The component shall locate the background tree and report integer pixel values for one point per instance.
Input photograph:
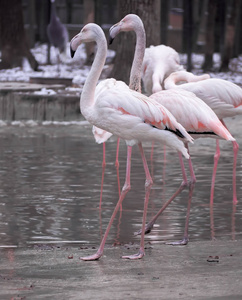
(209, 39)
(13, 41)
(188, 31)
(124, 43)
(229, 34)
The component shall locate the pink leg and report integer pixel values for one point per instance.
(236, 149)
(151, 159)
(184, 183)
(103, 171)
(192, 182)
(185, 239)
(125, 190)
(233, 222)
(148, 184)
(117, 168)
(212, 222)
(117, 153)
(216, 158)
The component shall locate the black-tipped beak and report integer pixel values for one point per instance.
(110, 40)
(72, 52)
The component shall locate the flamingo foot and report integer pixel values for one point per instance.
(183, 242)
(138, 255)
(235, 201)
(95, 256)
(148, 228)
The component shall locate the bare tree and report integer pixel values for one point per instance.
(89, 17)
(13, 41)
(210, 25)
(149, 12)
(229, 38)
(188, 31)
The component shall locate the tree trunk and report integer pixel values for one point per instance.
(13, 39)
(238, 32)
(187, 31)
(229, 36)
(89, 17)
(149, 12)
(210, 25)
(164, 20)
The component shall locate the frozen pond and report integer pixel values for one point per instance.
(50, 188)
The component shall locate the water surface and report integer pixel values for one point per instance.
(50, 179)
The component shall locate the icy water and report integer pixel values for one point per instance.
(50, 179)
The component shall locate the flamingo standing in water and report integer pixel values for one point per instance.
(224, 98)
(158, 63)
(127, 114)
(194, 115)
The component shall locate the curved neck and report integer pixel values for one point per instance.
(170, 82)
(53, 11)
(174, 78)
(135, 73)
(88, 92)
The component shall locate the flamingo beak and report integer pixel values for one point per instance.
(113, 31)
(72, 52)
(75, 42)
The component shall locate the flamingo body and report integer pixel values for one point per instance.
(133, 116)
(194, 115)
(159, 62)
(224, 97)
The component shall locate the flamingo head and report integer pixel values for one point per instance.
(89, 33)
(128, 23)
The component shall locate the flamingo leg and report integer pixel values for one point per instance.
(216, 159)
(192, 182)
(184, 183)
(103, 171)
(124, 191)
(236, 149)
(117, 154)
(117, 167)
(148, 185)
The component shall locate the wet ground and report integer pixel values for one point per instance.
(49, 216)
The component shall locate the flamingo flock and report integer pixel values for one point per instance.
(173, 117)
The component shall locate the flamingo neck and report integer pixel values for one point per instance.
(136, 69)
(53, 15)
(88, 93)
(174, 78)
(171, 81)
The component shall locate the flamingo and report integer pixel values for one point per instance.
(195, 116)
(159, 62)
(224, 98)
(57, 32)
(114, 107)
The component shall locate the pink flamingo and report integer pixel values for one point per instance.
(194, 115)
(127, 114)
(224, 98)
(158, 63)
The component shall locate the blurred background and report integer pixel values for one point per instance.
(199, 26)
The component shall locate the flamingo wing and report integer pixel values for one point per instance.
(119, 102)
(194, 114)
